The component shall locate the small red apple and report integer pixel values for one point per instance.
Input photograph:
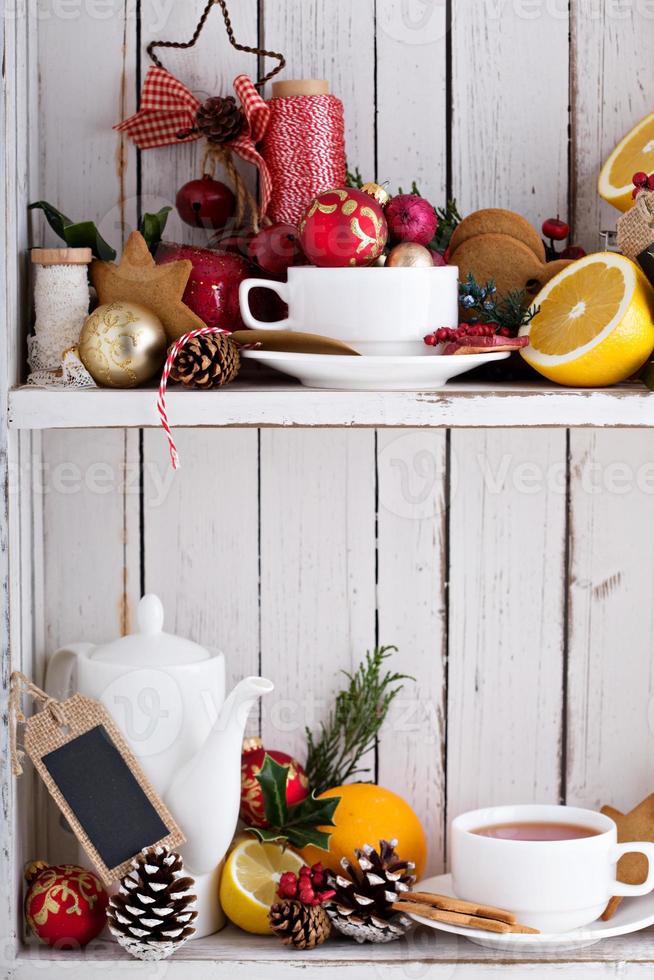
(276, 248)
(205, 203)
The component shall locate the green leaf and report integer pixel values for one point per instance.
(56, 219)
(152, 226)
(301, 837)
(268, 836)
(84, 234)
(313, 812)
(272, 778)
(76, 234)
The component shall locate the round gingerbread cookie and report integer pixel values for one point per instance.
(497, 221)
(508, 262)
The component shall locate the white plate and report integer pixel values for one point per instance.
(632, 915)
(385, 372)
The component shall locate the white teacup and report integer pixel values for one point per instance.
(551, 885)
(375, 310)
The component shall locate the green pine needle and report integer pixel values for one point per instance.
(354, 723)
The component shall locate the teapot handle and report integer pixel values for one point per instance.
(61, 666)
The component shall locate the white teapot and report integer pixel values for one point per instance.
(167, 696)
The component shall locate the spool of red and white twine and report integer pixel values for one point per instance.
(161, 398)
(303, 146)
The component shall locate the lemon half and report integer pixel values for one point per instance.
(248, 886)
(595, 326)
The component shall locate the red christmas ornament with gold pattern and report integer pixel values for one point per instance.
(65, 906)
(343, 227)
(252, 807)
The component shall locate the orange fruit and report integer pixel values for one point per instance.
(366, 815)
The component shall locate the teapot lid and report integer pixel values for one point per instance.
(150, 646)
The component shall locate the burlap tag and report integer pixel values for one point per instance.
(636, 227)
(59, 724)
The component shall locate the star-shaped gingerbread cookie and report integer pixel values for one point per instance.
(138, 279)
(636, 825)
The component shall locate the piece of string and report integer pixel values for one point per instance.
(19, 685)
(245, 199)
(161, 397)
(232, 40)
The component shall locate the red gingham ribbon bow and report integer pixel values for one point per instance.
(167, 108)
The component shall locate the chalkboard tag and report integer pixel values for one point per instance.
(94, 778)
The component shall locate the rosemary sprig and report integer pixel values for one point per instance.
(354, 722)
(481, 305)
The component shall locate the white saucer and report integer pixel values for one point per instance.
(369, 373)
(632, 915)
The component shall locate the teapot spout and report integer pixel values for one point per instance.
(205, 795)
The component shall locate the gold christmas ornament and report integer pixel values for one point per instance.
(409, 255)
(122, 345)
(379, 193)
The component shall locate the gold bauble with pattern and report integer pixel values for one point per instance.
(409, 255)
(122, 345)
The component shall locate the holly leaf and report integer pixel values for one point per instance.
(272, 779)
(268, 835)
(300, 824)
(152, 227)
(301, 837)
(76, 234)
(313, 812)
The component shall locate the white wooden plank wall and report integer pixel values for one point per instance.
(295, 551)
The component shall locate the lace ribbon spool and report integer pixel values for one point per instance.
(304, 146)
(61, 304)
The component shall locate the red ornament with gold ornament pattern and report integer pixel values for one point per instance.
(343, 227)
(65, 906)
(252, 805)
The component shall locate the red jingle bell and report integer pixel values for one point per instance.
(343, 227)
(205, 203)
(65, 906)
(252, 806)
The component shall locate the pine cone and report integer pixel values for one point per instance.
(361, 907)
(208, 361)
(152, 912)
(299, 925)
(220, 119)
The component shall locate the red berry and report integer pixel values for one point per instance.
(556, 229)
(639, 179)
(650, 182)
(635, 192)
(287, 887)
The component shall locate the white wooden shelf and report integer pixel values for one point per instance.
(281, 404)
(234, 955)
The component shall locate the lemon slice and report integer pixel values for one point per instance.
(595, 325)
(248, 886)
(632, 154)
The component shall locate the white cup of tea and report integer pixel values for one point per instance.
(375, 310)
(553, 866)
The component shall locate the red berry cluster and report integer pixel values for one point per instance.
(642, 182)
(446, 335)
(308, 886)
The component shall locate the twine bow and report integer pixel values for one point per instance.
(167, 115)
(19, 685)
